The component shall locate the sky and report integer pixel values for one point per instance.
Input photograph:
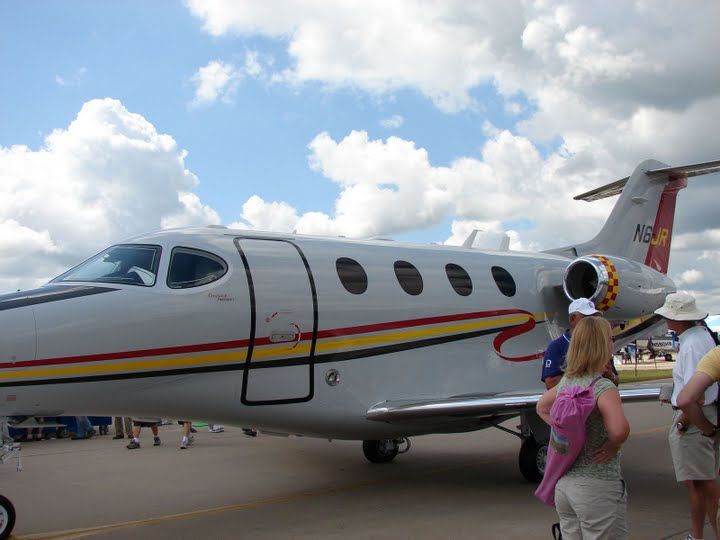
(413, 120)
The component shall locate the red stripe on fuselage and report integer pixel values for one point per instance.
(224, 345)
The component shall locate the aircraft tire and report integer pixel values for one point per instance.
(7, 517)
(382, 451)
(532, 460)
(668, 357)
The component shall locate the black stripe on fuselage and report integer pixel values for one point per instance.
(639, 328)
(324, 358)
(49, 293)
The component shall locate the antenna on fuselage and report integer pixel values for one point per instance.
(470, 240)
(505, 243)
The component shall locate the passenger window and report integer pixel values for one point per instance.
(459, 279)
(503, 280)
(192, 268)
(409, 277)
(351, 274)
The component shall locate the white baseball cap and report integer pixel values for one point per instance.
(681, 307)
(582, 305)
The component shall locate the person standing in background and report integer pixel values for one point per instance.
(695, 456)
(119, 433)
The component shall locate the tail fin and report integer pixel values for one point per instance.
(640, 225)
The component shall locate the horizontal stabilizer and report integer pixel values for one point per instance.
(615, 188)
(482, 406)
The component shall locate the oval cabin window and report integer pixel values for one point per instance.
(352, 275)
(459, 279)
(193, 268)
(503, 280)
(409, 277)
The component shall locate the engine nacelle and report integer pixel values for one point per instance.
(620, 288)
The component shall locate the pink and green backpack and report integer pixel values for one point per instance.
(568, 415)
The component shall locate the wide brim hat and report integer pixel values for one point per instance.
(681, 307)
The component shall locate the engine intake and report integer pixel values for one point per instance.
(621, 288)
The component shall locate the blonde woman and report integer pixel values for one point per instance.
(591, 499)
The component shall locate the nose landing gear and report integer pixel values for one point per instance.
(7, 517)
(7, 510)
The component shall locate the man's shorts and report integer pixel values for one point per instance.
(695, 457)
(146, 422)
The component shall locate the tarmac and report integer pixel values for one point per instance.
(228, 485)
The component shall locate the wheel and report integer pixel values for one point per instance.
(532, 459)
(382, 451)
(7, 517)
(668, 357)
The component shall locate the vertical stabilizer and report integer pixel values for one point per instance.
(640, 225)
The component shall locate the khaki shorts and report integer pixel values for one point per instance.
(694, 456)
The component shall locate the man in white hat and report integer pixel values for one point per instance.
(695, 456)
(554, 360)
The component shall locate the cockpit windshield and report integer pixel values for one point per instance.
(131, 264)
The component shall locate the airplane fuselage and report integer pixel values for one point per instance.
(300, 335)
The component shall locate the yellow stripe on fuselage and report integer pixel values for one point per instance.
(265, 352)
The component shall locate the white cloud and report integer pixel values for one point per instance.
(253, 65)
(390, 186)
(392, 122)
(273, 216)
(690, 277)
(607, 53)
(191, 213)
(698, 240)
(75, 79)
(216, 80)
(109, 175)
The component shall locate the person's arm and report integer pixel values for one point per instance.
(616, 424)
(544, 405)
(551, 382)
(691, 396)
(611, 373)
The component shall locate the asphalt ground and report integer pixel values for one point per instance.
(228, 485)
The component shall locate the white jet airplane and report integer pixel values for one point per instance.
(327, 337)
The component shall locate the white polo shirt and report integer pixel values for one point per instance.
(695, 343)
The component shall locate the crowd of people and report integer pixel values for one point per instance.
(81, 427)
(585, 483)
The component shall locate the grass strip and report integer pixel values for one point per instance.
(630, 376)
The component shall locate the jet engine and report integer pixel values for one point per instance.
(621, 288)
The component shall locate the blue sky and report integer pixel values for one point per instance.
(145, 53)
(412, 120)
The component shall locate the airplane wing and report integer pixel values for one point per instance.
(481, 406)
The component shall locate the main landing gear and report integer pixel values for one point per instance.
(532, 459)
(385, 450)
(535, 435)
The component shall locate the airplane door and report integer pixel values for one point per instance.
(283, 324)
